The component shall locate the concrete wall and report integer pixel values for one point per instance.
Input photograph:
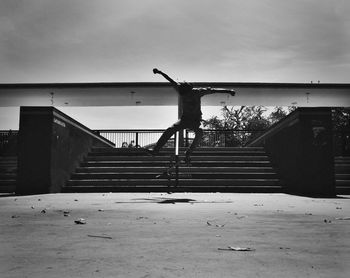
(51, 145)
(301, 148)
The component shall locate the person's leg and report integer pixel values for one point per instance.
(198, 136)
(166, 136)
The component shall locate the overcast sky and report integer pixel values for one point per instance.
(196, 40)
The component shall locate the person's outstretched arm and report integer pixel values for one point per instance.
(174, 83)
(209, 91)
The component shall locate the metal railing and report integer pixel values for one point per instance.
(124, 138)
(211, 138)
(147, 138)
(224, 138)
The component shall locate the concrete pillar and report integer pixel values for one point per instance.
(301, 148)
(51, 145)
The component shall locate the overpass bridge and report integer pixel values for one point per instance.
(162, 94)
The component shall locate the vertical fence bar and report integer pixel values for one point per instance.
(177, 139)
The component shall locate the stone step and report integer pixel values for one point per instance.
(181, 149)
(158, 169)
(166, 163)
(165, 182)
(342, 169)
(166, 158)
(195, 175)
(8, 158)
(342, 158)
(342, 176)
(342, 183)
(343, 190)
(8, 176)
(127, 152)
(180, 188)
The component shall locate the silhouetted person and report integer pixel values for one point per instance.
(191, 114)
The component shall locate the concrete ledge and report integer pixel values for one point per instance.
(301, 148)
(51, 146)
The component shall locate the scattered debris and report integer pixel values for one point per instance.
(108, 237)
(343, 218)
(80, 221)
(173, 201)
(232, 248)
(216, 225)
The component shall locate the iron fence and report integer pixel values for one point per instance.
(126, 138)
(210, 138)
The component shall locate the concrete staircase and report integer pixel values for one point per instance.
(211, 169)
(219, 169)
(8, 174)
(342, 174)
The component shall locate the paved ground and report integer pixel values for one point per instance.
(133, 235)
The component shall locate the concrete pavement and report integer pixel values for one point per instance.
(139, 235)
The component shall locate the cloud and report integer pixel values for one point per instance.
(122, 40)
